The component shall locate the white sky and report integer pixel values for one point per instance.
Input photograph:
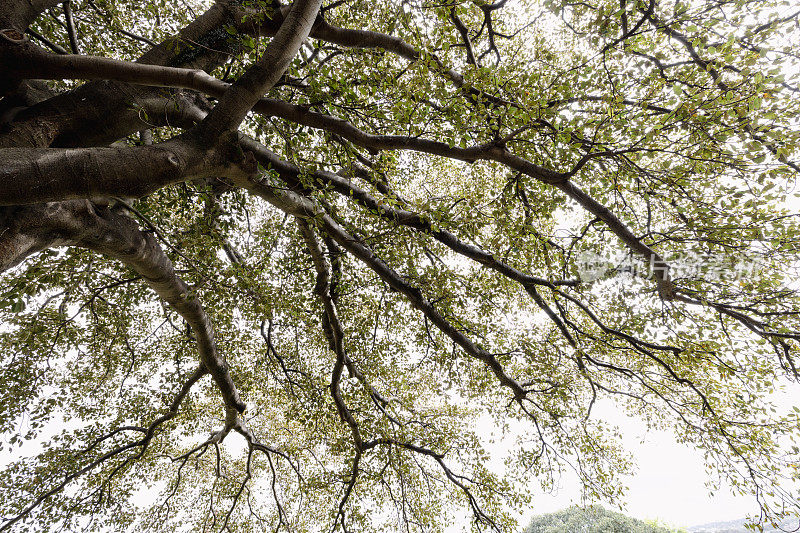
(670, 483)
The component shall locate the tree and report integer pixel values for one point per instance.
(273, 262)
(592, 519)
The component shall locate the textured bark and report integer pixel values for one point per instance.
(18, 15)
(35, 175)
(22, 233)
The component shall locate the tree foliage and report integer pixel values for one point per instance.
(271, 267)
(592, 519)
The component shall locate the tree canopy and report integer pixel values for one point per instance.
(592, 519)
(272, 267)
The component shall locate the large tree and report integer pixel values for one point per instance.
(591, 519)
(270, 267)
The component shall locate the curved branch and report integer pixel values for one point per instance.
(115, 235)
(23, 59)
(331, 325)
(71, 29)
(259, 78)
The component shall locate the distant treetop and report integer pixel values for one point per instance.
(592, 519)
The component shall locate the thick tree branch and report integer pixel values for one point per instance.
(20, 14)
(99, 113)
(108, 232)
(22, 234)
(119, 237)
(24, 60)
(35, 175)
(45, 174)
(464, 32)
(71, 28)
(368, 39)
(331, 124)
(259, 78)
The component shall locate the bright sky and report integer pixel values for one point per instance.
(670, 483)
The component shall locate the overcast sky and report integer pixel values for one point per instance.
(670, 483)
